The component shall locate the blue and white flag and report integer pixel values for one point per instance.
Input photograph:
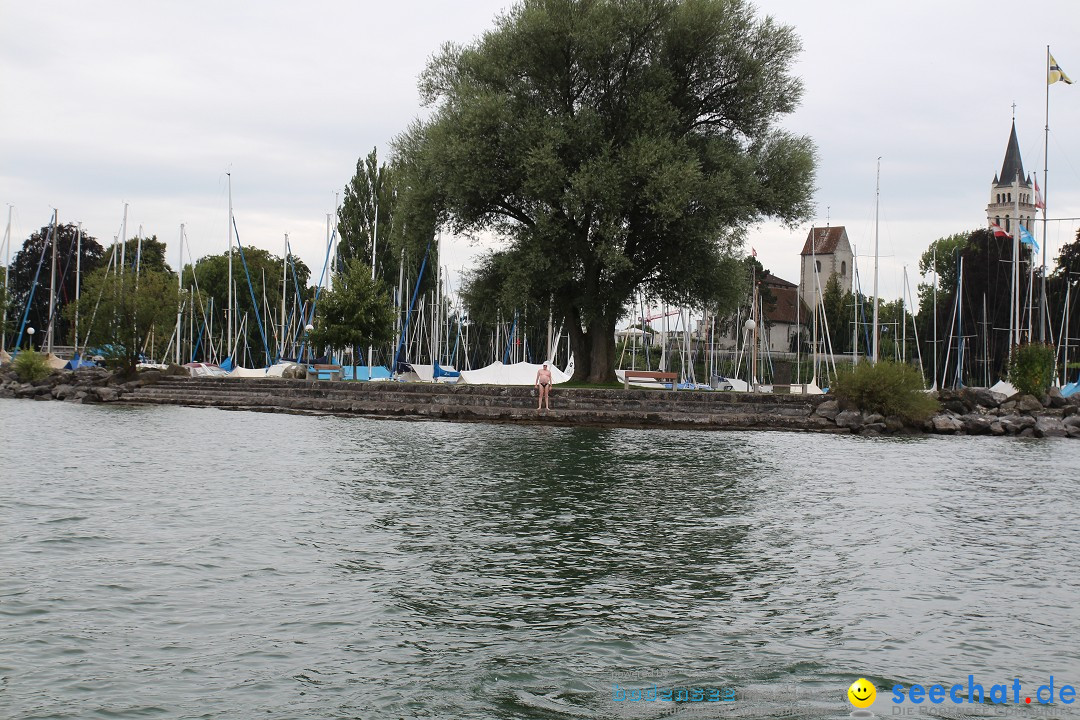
(1026, 238)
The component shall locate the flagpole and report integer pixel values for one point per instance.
(1046, 155)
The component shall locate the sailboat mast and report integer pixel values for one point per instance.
(180, 294)
(7, 271)
(284, 287)
(935, 318)
(877, 207)
(1046, 155)
(52, 288)
(1015, 339)
(78, 280)
(374, 239)
(229, 310)
(855, 306)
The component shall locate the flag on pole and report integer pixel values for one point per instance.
(999, 232)
(753, 251)
(1056, 73)
(1027, 239)
(1039, 203)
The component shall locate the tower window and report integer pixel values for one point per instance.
(843, 268)
(818, 263)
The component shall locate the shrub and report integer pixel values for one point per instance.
(1032, 368)
(887, 388)
(31, 366)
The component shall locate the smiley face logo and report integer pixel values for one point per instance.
(862, 693)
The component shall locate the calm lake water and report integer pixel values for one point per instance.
(184, 563)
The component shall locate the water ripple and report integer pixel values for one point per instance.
(173, 562)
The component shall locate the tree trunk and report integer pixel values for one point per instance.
(594, 349)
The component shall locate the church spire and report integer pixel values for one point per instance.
(1013, 164)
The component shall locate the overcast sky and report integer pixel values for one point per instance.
(152, 103)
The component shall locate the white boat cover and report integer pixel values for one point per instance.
(55, 362)
(274, 371)
(521, 373)
(199, 369)
(1004, 387)
(426, 373)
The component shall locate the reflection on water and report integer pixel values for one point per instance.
(176, 562)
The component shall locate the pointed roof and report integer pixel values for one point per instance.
(824, 241)
(1012, 164)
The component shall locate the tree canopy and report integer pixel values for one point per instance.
(125, 319)
(355, 313)
(615, 145)
(24, 267)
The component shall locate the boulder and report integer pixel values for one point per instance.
(106, 394)
(956, 405)
(946, 424)
(1071, 421)
(828, 409)
(1049, 427)
(873, 419)
(894, 424)
(976, 424)
(1014, 424)
(149, 376)
(983, 397)
(872, 429)
(996, 428)
(849, 419)
(1073, 432)
(1028, 404)
(61, 392)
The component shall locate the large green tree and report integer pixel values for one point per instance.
(37, 252)
(616, 145)
(355, 313)
(210, 281)
(125, 320)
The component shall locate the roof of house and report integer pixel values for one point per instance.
(825, 240)
(787, 300)
(775, 282)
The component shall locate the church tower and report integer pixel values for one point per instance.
(1012, 184)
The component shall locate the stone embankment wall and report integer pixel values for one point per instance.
(967, 412)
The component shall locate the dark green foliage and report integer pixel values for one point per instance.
(127, 317)
(211, 275)
(616, 146)
(24, 264)
(1032, 368)
(356, 313)
(31, 365)
(887, 388)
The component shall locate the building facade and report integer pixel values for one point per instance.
(826, 253)
(1011, 194)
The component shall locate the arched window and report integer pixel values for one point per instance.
(1009, 197)
(1007, 224)
(843, 268)
(818, 263)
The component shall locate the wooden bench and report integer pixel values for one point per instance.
(673, 377)
(324, 372)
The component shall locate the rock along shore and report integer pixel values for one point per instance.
(966, 412)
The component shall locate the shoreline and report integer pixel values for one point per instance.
(971, 411)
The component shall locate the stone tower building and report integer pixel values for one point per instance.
(1009, 188)
(826, 252)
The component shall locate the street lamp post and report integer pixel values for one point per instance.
(30, 338)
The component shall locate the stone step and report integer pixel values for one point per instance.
(666, 403)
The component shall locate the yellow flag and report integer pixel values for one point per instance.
(1056, 73)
